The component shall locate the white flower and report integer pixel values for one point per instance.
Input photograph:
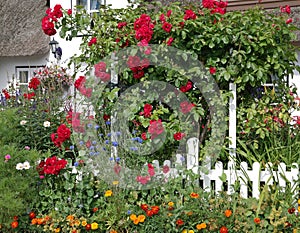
(19, 166)
(26, 165)
(46, 124)
(23, 122)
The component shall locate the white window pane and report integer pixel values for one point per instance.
(23, 76)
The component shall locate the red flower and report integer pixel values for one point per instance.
(156, 128)
(186, 107)
(138, 74)
(29, 95)
(291, 210)
(212, 70)
(16, 218)
(105, 77)
(187, 87)
(167, 26)
(208, 4)
(69, 12)
(92, 41)
(149, 213)
(178, 136)
(144, 136)
(166, 169)
(189, 14)
(285, 9)
(34, 83)
(169, 12)
(88, 227)
(179, 222)
(6, 94)
(95, 209)
(257, 220)
(151, 170)
(162, 18)
(106, 117)
(100, 67)
(170, 41)
(288, 21)
(223, 230)
(144, 207)
(14, 224)
(121, 25)
(32, 215)
(147, 110)
(63, 132)
(155, 209)
(79, 82)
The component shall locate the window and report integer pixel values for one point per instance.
(90, 5)
(24, 74)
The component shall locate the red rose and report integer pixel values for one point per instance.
(69, 12)
(133, 61)
(178, 136)
(92, 41)
(167, 26)
(79, 82)
(156, 128)
(144, 136)
(105, 77)
(212, 70)
(14, 224)
(100, 67)
(63, 132)
(143, 179)
(144, 63)
(147, 110)
(162, 18)
(32, 215)
(187, 87)
(169, 12)
(121, 25)
(144, 207)
(34, 83)
(189, 14)
(151, 170)
(170, 41)
(166, 169)
(285, 9)
(186, 107)
(88, 227)
(288, 21)
(138, 74)
(208, 4)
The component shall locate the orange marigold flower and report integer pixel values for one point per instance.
(113, 231)
(170, 203)
(189, 213)
(201, 226)
(228, 213)
(194, 195)
(141, 218)
(70, 217)
(133, 217)
(57, 230)
(34, 221)
(257, 220)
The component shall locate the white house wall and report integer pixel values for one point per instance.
(8, 66)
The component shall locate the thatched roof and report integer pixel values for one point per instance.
(20, 23)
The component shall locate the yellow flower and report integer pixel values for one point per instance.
(108, 193)
(77, 222)
(115, 182)
(184, 231)
(298, 201)
(294, 230)
(170, 214)
(94, 226)
(83, 223)
(136, 221)
(133, 217)
(141, 218)
(171, 204)
(191, 231)
(201, 226)
(57, 230)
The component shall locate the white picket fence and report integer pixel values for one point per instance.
(251, 181)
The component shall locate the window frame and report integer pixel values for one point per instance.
(31, 72)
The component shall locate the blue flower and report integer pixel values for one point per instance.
(89, 125)
(107, 122)
(111, 159)
(118, 133)
(109, 135)
(128, 211)
(106, 141)
(92, 147)
(92, 153)
(100, 134)
(72, 147)
(97, 153)
(118, 159)
(133, 148)
(81, 142)
(115, 143)
(76, 164)
(139, 140)
(97, 127)
(94, 142)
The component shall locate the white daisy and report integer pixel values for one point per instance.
(19, 166)
(26, 165)
(46, 124)
(23, 122)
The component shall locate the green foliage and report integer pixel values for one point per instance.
(17, 187)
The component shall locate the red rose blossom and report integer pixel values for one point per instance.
(187, 87)
(178, 136)
(186, 107)
(170, 41)
(92, 41)
(212, 70)
(167, 27)
(189, 14)
(34, 83)
(156, 128)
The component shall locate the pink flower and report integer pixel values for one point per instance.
(143, 179)
(7, 157)
(186, 107)
(92, 41)
(151, 170)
